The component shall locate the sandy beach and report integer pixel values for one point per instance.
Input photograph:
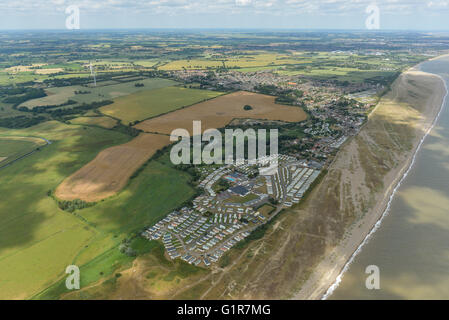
(400, 108)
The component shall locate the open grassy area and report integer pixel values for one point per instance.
(266, 209)
(12, 148)
(103, 91)
(104, 122)
(150, 103)
(146, 200)
(8, 78)
(256, 59)
(36, 237)
(239, 199)
(111, 169)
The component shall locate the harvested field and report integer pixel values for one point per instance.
(109, 172)
(151, 103)
(49, 71)
(218, 112)
(104, 122)
(3, 158)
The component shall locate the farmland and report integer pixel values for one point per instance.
(12, 148)
(151, 103)
(41, 238)
(104, 122)
(82, 198)
(260, 59)
(36, 237)
(114, 89)
(218, 112)
(109, 172)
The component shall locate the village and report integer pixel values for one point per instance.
(336, 112)
(237, 199)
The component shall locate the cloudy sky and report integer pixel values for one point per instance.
(286, 14)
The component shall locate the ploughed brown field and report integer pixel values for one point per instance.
(218, 112)
(109, 172)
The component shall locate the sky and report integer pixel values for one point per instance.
(257, 14)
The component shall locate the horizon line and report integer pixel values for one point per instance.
(229, 28)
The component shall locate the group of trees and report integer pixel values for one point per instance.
(30, 93)
(56, 111)
(20, 122)
(222, 185)
(71, 206)
(82, 92)
(283, 96)
(191, 170)
(44, 109)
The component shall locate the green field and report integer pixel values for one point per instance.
(12, 148)
(151, 103)
(38, 240)
(7, 79)
(254, 60)
(239, 199)
(104, 122)
(61, 95)
(162, 275)
(147, 199)
(266, 209)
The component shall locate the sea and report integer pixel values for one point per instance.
(410, 248)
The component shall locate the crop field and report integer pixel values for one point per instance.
(151, 103)
(143, 202)
(36, 237)
(54, 96)
(240, 61)
(61, 95)
(8, 78)
(146, 63)
(104, 122)
(336, 73)
(84, 198)
(12, 148)
(218, 112)
(109, 172)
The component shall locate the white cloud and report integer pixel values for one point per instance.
(278, 7)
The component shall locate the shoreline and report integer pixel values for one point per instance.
(329, 272)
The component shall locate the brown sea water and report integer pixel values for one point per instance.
(411, 247)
